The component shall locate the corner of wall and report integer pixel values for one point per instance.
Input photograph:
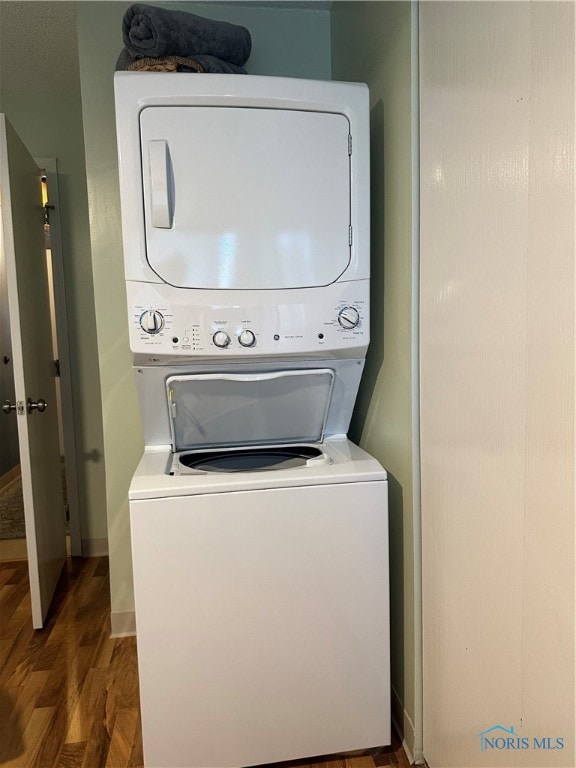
(372, 42)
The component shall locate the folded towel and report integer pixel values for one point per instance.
(164, 64)
(216, 65)
(200, 63)
(151, 31)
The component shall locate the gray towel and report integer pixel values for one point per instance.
(199, 63)
(151, 31)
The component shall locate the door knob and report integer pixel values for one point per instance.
(7, 406)
(39, 406)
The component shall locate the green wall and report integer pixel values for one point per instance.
(289, 42)
(371, 43)
(51, 126)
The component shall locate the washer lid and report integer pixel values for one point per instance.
(226, 409)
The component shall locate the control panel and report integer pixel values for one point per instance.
(168, 323)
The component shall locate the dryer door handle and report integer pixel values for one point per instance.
(159, 184)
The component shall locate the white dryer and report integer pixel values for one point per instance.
(259, 532)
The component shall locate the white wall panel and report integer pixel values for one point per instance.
(497, 356)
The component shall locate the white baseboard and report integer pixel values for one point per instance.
(123, 624)
(94, 547)
(403, 725)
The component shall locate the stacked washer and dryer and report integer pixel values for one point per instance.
(259, 532)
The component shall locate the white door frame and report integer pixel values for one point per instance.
(50, 168)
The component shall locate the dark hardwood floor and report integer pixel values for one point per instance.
(69, 693)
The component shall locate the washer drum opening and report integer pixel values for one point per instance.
(249, 459)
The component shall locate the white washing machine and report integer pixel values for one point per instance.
(261, 583)
(259, 532)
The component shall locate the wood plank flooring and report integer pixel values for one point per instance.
(69, 693)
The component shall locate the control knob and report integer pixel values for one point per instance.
(221, 339)
(348, 317)
(247, 338)
(152, 321)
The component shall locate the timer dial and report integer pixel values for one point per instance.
(247, 338)
(348, 317)
(221, 339)
(152, 321)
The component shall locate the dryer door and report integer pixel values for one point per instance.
(239, 198)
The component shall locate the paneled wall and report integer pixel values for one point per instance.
(497, 376)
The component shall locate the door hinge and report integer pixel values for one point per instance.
(47, 209)
(57, 368)
(350, 235)
(349, 143)
(67, 513)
